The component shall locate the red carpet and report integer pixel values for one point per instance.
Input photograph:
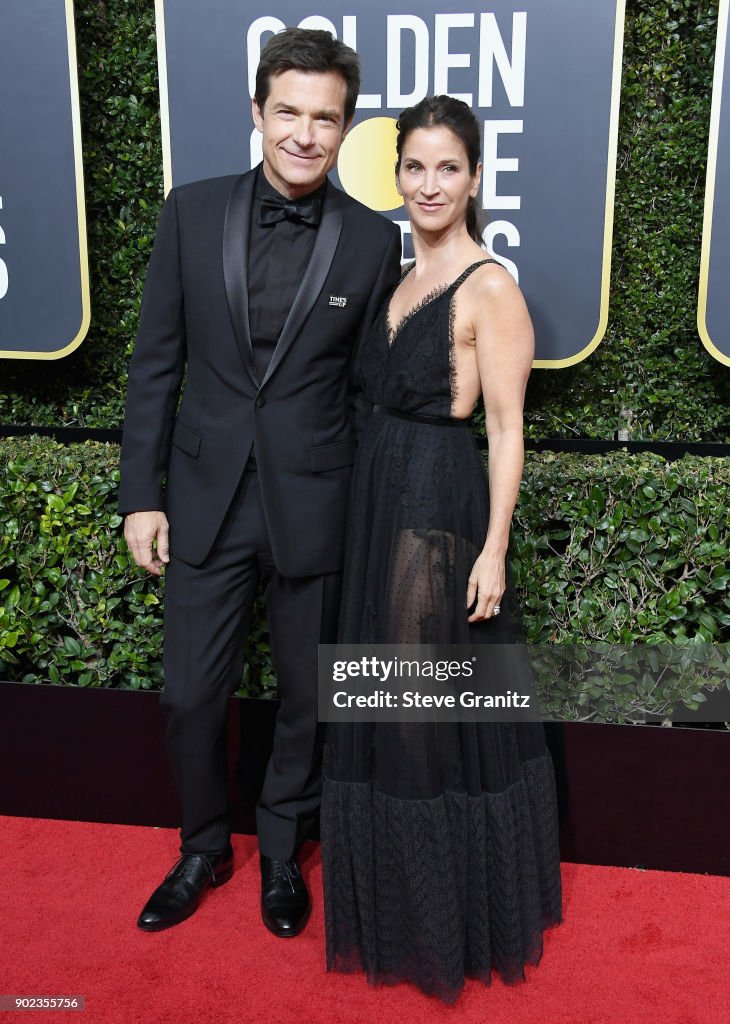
(644, 946)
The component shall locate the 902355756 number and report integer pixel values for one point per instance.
(42, 1003)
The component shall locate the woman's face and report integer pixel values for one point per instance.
(434, 178)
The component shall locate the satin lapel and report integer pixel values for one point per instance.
(235, 266)
(328, 235)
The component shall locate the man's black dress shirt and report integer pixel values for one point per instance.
(278, 255)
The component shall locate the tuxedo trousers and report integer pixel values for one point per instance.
(207, 617)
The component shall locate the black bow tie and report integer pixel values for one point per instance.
(276, 208)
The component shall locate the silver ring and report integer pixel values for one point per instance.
(495, 610)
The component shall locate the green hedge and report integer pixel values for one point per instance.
(622, 548)
(74, 608)
(649, 378)
(615, 548)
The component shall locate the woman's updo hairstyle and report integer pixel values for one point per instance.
(446, 112)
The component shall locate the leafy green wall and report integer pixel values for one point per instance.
(620, 549)
(649, 378)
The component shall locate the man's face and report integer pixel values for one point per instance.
(303, 125)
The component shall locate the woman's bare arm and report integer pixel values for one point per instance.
(505, 347)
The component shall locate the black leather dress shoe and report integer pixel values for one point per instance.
(285, 903)
(180, 894)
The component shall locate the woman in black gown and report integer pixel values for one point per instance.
(439, 840)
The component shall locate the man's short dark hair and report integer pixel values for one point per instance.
(308, 49)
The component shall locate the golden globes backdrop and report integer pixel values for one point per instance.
(543, 80)
(44, 280)
(713, 314)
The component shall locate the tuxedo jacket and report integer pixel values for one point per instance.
(187, 457)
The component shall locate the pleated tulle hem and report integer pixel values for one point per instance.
(448, 992)
(436, 891)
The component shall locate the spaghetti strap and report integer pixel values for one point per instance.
(470, 270)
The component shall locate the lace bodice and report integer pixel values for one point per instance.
(410, 366)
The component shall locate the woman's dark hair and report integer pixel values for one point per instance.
(446, 112)
(308, 49)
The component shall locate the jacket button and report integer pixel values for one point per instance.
(260, 402)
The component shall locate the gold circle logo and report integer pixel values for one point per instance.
(366, 164)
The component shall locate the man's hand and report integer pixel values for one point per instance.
(146, 534)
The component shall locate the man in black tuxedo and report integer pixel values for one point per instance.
(259, 288)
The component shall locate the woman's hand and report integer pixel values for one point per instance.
(486, 585)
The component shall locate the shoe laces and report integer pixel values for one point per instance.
(185, 866)
(288, 870)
